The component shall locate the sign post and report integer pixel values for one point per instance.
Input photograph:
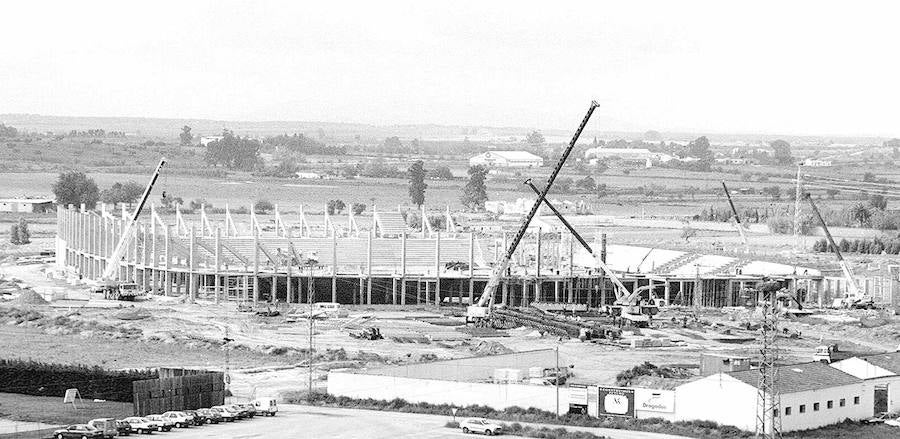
(71, 395)
(453, 412)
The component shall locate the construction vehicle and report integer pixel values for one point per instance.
(483, 313)
(107, 283)
(367, 333)
(122, 291)
(737, 218)
(628, 305)
(855, 298)
(482, 309)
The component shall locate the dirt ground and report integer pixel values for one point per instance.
(269, 355)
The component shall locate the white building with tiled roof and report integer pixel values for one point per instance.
(507, 159)
(813, 395)
(880, 370)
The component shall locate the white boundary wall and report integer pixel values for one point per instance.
(459, 393)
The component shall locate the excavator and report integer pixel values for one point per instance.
(107, 284)
(483, 312)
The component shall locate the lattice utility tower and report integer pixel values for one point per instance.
(768, 398)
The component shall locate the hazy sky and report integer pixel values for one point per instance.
(767, 67)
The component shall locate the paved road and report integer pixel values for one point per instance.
(296, 421)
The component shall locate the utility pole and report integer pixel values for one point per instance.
(797, 195)
(309, 298)
(556, 383)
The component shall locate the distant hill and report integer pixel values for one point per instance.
(170, 128)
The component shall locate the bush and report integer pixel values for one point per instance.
(28, 377)
(452, 424)
(19, 234)
(263, 206)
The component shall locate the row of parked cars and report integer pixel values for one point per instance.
(109, 427)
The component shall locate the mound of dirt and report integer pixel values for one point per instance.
(29, 297)
(487, 347)
(133, 314)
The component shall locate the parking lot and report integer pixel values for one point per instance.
(297, 421)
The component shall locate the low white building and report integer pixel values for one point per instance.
(206, 140)
(817, 163)
(303, 175)
(880, 370)
(506, 159)
(26, 205)
(813, 395)
(630, 154)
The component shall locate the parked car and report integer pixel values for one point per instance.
(79, 431)
(196, 416)
(180, 419)
(266, 406)
(242, 413)
(106, 425)
(162, 424)
(141, 424)
(227, 414)
(124, 428)
(879, 418)
(477, 425)
(212, 416)
(893, 422)
(248, 408)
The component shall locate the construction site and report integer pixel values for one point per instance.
(552, 312)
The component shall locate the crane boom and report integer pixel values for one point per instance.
(855, 292)
(112, 265)
(737, 217)
(622, 293)
(502, 265)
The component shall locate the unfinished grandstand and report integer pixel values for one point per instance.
(379, 260)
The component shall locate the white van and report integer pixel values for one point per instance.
(266, 406)
(329, 309)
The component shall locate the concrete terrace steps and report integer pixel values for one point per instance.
(390, 224)
(680, 261)
(732, 266)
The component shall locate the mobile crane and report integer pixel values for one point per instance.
(737, 218)
(628, 304)
(107, 283)
(480, 310)
(855, 297)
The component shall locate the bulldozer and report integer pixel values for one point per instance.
(367, 333)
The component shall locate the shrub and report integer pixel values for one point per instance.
(28, 377)
(263, 206)
(452, 424)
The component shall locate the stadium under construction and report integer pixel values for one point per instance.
(379, 260)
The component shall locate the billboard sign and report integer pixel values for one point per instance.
(652, 400)
(578, 395)
(616, 401)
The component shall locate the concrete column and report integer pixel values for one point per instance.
(403, 268)
(369, 267)
(668, 292)
(290, 289)
(505, 297)
(255, 265)
(334, 267)
(192, 267)
(394, 291)
(556, 291)
(471, 268)
(274, 289)
(218, 268)
(437, 269)
(167, 265)
(427, 292)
